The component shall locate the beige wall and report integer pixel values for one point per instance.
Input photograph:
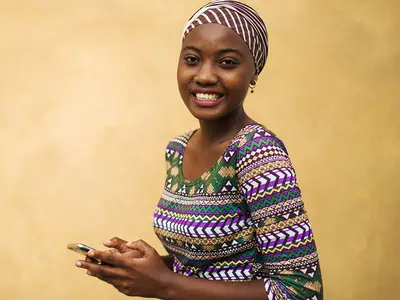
(88, 100)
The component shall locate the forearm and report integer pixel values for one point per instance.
(168, 260)
(181, 287)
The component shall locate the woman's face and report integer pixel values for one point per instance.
(214, 71)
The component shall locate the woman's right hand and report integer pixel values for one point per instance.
(118, 246)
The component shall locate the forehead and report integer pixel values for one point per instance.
(215, 36)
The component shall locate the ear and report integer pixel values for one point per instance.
(254, 80)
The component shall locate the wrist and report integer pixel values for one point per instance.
(168, 285)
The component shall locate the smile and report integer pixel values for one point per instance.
(207, 99)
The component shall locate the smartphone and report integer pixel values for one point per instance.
(83, 249)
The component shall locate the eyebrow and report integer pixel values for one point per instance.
(221, 51)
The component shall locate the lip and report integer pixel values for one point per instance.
(207, 103)
(220, 98)
(204, 91)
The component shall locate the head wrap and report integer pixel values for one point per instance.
(243, 19)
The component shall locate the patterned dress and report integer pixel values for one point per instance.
(242, 220)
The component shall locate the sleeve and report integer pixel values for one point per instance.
(286, 259)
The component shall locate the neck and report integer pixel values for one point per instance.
(221, 130)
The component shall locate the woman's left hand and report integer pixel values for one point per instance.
(147, 276)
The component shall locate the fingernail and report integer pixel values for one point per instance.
(78, 264)
(90, 253)
(88, 272)
(107, 243)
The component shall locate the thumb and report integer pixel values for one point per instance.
(143, 247)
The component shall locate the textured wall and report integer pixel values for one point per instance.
(88, 100)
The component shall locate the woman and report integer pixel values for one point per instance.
(231, 215)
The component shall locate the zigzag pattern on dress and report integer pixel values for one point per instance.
(243, 219)
(239, 273)
(288, 236)
(202, 228)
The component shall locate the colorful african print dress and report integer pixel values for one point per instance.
(242, 220)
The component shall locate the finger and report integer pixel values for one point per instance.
(107, 279)
(112, 250)
(117, 243)
(110, 257)
(89, 259)
(102, 272)
(114, 241)
(113, 280)
(132, 254)
(143, 247)
(127, 252)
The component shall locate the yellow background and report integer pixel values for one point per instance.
(88, 101)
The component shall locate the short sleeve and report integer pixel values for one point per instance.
(287, 257)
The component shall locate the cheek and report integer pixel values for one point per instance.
(183, 76)
(236, 84)
(183, 79)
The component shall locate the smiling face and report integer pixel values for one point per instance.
(214, 71)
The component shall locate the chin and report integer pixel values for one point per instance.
(207, 115)
(202, 117)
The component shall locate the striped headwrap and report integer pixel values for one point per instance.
(244, 20)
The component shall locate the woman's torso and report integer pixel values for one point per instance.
(204, 223)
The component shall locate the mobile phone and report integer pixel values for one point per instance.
(83, 249)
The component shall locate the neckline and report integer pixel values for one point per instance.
(188, 182)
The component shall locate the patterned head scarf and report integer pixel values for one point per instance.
(244, 20)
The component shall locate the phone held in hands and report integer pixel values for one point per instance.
(83, 249)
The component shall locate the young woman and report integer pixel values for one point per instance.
(231, 214)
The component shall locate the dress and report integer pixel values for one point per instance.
(242, 220)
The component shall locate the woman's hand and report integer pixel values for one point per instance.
(144, 276)
(120, 245)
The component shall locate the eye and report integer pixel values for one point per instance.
(191, 59)
(229, 62)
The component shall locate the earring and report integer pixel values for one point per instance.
(252, 86)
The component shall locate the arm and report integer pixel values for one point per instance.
(149, 276)
(287, 259)
(121, 245)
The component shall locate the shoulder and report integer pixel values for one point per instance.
(256, 137)
(259, 147)
(178, 144)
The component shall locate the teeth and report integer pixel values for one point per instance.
(206, 97)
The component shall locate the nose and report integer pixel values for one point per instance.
(206, 75)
